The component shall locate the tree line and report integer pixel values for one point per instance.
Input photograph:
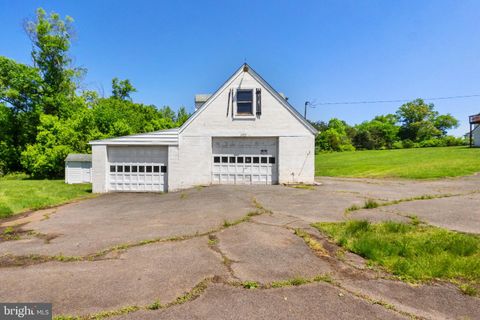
(415, 124)
(45, 114)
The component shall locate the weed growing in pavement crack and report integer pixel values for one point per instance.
(372, 204)
(155, 306)
(298, 281)
(311, 242)
(250, 284)
(468, 289)
(9, 234)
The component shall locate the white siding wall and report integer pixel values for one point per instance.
(193, 165)
(476, 137)
(296, 159)
(99, 165)
(190, 163)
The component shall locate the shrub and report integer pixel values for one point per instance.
(408, 144)
(397, 145)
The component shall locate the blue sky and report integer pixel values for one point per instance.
(310, 50)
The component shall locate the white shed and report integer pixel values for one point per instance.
(244, 133)
(78, 168)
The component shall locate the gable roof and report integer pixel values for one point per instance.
(246, 68)
(170, 136)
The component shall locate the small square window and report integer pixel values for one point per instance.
(156, 168)
(244, 102)
(134, 168)
(224, 159)
(141, 168)
(119, 168)
(232, 159)
(263, 160)
(248, 159)
(163, 169)
(112, 169)
(256, 160)
(216, 159)
(149, 169)
(127, 168)
(239, 159)
(271, 160)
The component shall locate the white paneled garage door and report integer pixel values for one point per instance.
(137, 168)
(244, 161)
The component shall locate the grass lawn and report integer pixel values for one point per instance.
(18, 194)
(419, 163)
(412, 252)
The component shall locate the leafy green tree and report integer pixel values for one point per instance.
(379, 133)
(182, 116)
(121, 89)
(335, 137)
(319, 125)
(419, 121)
(20, 94)
(51, 39)
(445, 122)
(45, 158)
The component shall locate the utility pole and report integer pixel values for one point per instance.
(306, 105)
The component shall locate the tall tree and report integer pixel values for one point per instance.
(420, 121)
(51, 39)
(20, 93)
(121, 89)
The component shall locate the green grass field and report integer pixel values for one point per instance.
(412, 252)
(18, 194)
(420, 163)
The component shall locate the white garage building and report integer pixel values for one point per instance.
(245, 133)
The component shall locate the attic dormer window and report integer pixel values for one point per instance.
(245, 102)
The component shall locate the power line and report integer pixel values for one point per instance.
(399, 100)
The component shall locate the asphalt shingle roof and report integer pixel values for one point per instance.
(79, 157)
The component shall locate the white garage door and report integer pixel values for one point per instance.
(137, 168)
(244, 161)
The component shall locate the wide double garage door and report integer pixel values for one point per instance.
(245, 160)
(136, 168)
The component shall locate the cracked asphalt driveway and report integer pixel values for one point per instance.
(194, 254)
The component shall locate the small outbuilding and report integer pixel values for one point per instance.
(78, 168)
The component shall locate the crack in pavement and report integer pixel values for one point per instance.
(227, 262)
(11, 260)
(204, 284)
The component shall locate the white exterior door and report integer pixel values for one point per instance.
(86, 172)
(244, 160)
(137, 168)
